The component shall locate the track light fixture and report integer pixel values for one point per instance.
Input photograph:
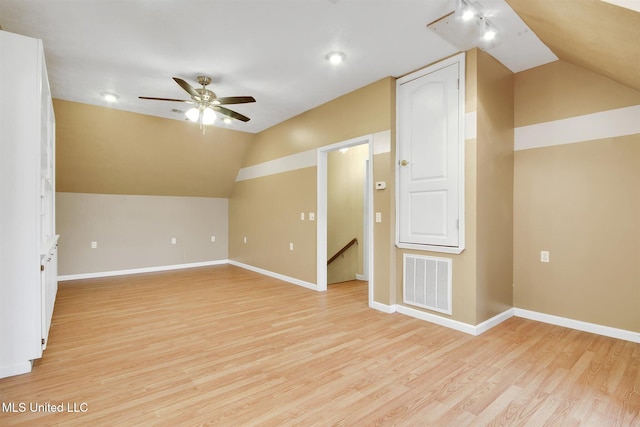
(467, 27)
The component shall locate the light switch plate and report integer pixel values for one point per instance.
(544, 256)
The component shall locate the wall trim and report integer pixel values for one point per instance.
(17, 369)
(305, 159)
(432, 318)
(389, 309)
(494, 321)
(471, 125)
(278, 276)
(292, 162)
(139, 270)
(382, 142)
(588, 127)
(579, 325)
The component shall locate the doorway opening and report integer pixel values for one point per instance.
(361, 254)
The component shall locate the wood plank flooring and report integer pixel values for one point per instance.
(225, 346)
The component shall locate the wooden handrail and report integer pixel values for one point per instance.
(354, 241)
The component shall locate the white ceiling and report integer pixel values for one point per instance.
(273, 50)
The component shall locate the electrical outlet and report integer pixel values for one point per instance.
(213, 238)
(174, 240)
(544, 256)
(244, 239)
(301, 216)
(290, 246)
(378, 216)
(312, 216)
(94, 245)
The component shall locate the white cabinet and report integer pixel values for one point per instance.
(28, 243)
(430, 154)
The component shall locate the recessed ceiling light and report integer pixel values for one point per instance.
(226, 120)
(335, 57)
(109, 97)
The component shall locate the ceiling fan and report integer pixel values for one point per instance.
(206, 103)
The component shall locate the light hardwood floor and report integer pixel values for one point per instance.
(225, 346)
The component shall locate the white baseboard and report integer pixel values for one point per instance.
(455, 324)
(383, 307)
(140, 270)
(494, 321)
(279, 276)
(361, 277)
(17, 369)
(526, 314)
(593, 328)
(182, 266)
(432, 318)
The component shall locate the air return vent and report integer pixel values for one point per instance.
(427, 282)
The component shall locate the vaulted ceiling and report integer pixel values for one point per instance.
(275, 50)
(594, 34)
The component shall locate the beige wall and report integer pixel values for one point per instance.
(361, 112)
(102, 151)
(136, 231)
(267, 209)
(580, 201)
(560, 90)
(345, 211)
(494, 186)
(106, 151)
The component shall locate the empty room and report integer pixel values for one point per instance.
(320, 212)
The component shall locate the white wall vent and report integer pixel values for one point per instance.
(427, 282)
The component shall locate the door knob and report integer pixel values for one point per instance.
(404, 163)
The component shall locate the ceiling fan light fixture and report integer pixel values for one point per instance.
(208, 116)
(227, 121)
(206, 105)
(193, 114)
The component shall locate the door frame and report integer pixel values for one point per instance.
(322, 168)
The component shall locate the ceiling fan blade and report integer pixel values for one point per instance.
(165, 99)
(186, 86)
(234, 100)
(230, 113)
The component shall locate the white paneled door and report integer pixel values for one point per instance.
(429, 161)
